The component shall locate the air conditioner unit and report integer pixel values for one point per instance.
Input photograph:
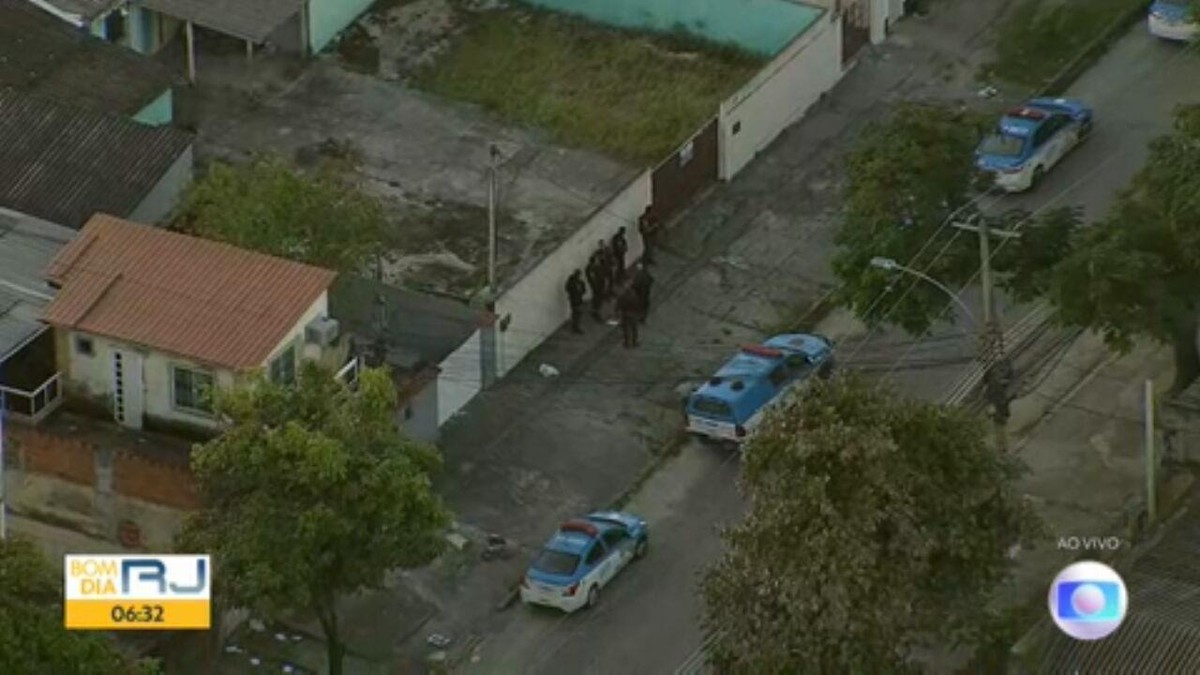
(322, 331)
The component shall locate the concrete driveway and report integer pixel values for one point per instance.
(647, 622)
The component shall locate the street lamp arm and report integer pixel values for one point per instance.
(945, 289)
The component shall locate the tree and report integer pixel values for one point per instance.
(1137, 273)
(312, 493)
(32, 638)
(875, 523)
(907, 178)
(321, 219)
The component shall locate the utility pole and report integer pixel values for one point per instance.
(998, 373)
(493, 171)
(1151, 458)
(3, 483)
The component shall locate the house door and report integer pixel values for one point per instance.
(128, 390)
(856, 27)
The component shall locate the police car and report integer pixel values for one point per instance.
(1174, 20)
(1031, 140)
(581, 558)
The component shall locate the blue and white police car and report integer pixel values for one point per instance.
(1031, 140)
(1174, 20)
(582, 557)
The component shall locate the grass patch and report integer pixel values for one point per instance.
(632, 96)
(1040, 38)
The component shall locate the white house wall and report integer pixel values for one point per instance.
(780, 94)
(320, 307)
(165, 195)
(460, 378)
(93, 375)
(536, 306)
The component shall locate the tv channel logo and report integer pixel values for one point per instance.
(1088, 600)
(137, 592)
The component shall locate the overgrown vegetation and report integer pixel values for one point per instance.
(1040, 38)
(634, 97)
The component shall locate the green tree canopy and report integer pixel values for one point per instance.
(265, 205)
(1137, 273)
(33, 640)
(907, 177)
(874, 523)
(312, 493)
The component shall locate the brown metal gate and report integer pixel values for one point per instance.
(686, 173)
(856, 27)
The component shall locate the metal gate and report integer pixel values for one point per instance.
(686, 173)
(856, 26)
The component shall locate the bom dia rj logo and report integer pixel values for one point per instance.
(137, 592)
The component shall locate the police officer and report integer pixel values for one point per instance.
(619, 248)
(595, 279)
(642, 281)
(648, 229)
(606, 269)
(575, 292)
(630, 311)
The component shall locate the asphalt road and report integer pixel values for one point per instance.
(1134, 88)
(647, 619)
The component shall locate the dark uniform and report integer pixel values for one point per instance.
(642, 281)
(648, 229)
(630, 310)
(619, 248)
(595, 279)
(575, 292)
(606, 269)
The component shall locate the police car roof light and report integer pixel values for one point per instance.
(759, 350)
(577, 525)
(1027, 113)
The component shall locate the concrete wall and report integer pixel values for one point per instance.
(419, 416)
(164, 196)
(161, 111)
(460, 378)
(536, 305)
(760, 26)
(327, 18)
(779, 94)
(93, 489)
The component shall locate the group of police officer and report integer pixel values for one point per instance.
(608, 278)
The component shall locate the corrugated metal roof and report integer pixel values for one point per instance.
(200, 299)
(63, 163)
(85, 9)
(45, 56)
(27, 245)
(252, 20)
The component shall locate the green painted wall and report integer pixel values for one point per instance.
(158, 113)
(327, 18)
(141, 30)
(760, 26)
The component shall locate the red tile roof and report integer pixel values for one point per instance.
(200, 299)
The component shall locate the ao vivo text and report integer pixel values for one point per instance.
(1089, 543)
